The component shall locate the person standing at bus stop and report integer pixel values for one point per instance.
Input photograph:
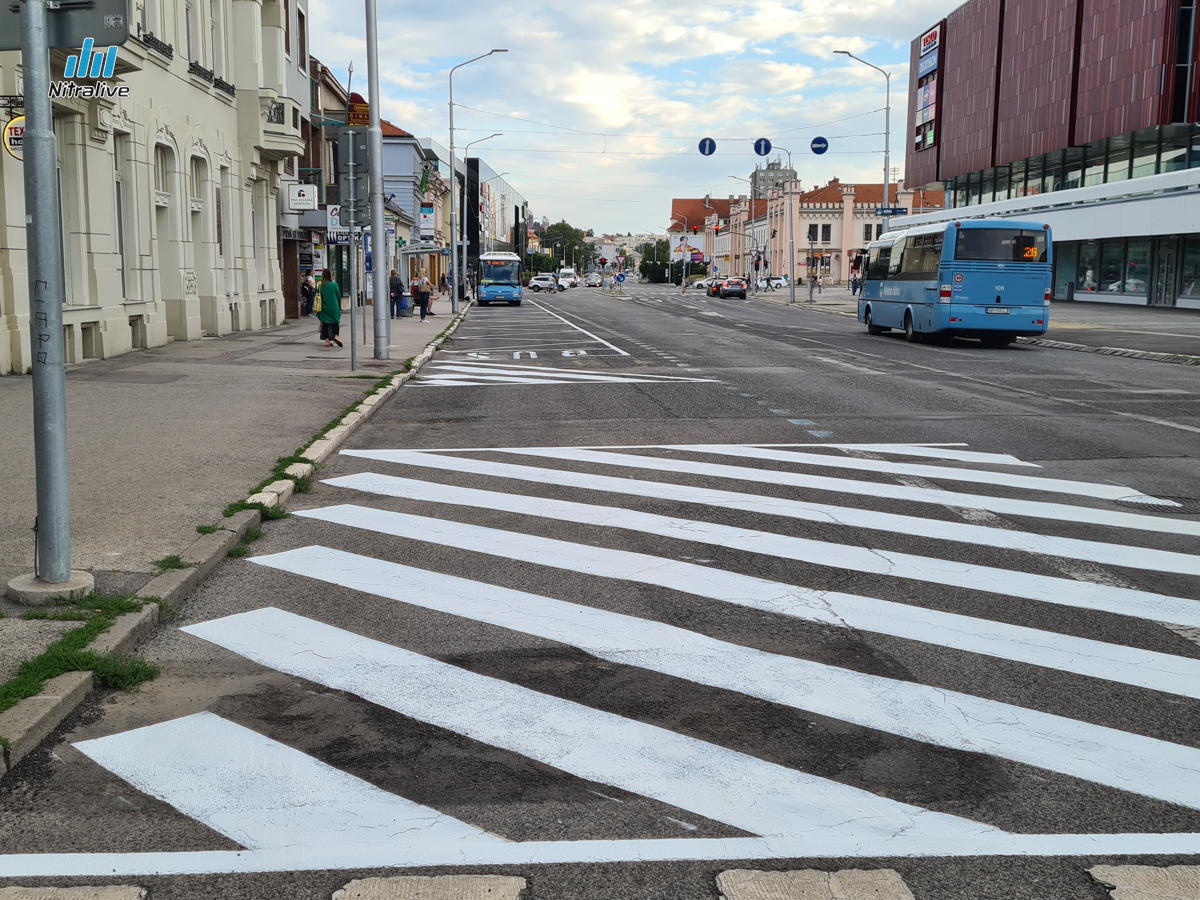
(422, 289)
(330, 312)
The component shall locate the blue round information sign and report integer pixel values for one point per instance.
(819, 145)
(762, 146)
(708, 146)
(620, 278)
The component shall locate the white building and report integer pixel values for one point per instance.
(169, 197)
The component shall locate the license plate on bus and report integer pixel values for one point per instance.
(996, 310)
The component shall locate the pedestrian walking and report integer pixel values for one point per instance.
(444, 286)
(854, 286)
(396, 293)
(812, 286)
(308, 293)
(422, 290)
(329, 309)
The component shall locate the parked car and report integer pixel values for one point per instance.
(706, 284)
(593, 280)
(543, 282)
(775, 282)
(731, 287)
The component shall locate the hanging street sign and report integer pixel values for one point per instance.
(14, 137)
(302, 197)
(708, 146)
(762, 146)
(819, 145)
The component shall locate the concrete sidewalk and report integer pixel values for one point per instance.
(1150, 329)
(161, 440)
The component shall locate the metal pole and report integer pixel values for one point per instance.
(379, 273)
(46, 293)
(887, 142)
(455, 272)
(791, 235)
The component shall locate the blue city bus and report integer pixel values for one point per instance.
(499, 279)
(981, 278)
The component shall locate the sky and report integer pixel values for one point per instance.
(600, 106)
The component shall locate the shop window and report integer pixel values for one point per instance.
(1118, 158)
(1137, 267)
(1016, 181)
(1093, 171)
(1001, 183)
(1112, 266)
(989, 186)
(1065, 256)
(1033, 176)
(960, 191)
(1190, 286)
(1145, 152)
(1085, 269)
(1052, 180)
(1173, 155)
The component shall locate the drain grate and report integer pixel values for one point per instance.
(1181, 506)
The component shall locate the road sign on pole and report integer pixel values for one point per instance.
(69, 24)
(762, 146)
(819, 145)
(892, 211)
(708, 146)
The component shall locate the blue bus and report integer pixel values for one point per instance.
(499, 279)
(982, 278)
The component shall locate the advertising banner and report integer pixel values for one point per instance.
(686, 247)
(427, 220)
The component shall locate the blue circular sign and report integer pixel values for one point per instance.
(762, 146)
(819, 145)
(620, 277)
(708, 146)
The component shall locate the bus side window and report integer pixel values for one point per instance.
(877, 265)
(922, 257)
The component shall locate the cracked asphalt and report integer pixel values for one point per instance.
(770, 375)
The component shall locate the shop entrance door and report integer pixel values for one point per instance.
(1165, 274)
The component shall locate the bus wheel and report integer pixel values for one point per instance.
(873, 329)
(910, 333)
(997, 340)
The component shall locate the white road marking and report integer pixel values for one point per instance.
(569, 374)
(945, 473)
(1003, 505)
(1070, 548)
(1017, 643)
(913, 710)
(712, 781)
(264, 794)
(1044, 588)
(577, 328)
(933, 451)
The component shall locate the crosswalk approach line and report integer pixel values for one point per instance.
(1003, 505)
(1147, 558)
(909, 709)
(264, 794)
(712, 781)
(1009, 582)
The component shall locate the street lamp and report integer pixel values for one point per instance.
(466, 155)
(887, 133)
(454, 275)
(684, 262)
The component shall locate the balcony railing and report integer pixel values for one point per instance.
(275, 114)
(222, 85)
(148, 38)
(194, 68)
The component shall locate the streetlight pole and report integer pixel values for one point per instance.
(379, 275)
(791, 230)
(453, 248)
(887, 133)
(684, 261)
(455, 276)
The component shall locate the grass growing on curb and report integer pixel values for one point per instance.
(268, 512)
(69, 654)
(206, 529)
(174, 561)
(239, 551)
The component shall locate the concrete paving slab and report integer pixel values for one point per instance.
(442, 887)
(812, 884)
(21, 640)
(1149, 882)
(111, 892)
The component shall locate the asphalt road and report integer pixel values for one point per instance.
(621, 627)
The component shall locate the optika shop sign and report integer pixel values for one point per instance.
(89, 64)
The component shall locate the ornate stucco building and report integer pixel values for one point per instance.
(170, 196)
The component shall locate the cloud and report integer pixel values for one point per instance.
(645, 81)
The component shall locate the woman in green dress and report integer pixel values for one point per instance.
(330, 313)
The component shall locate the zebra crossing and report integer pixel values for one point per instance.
(483, 374)
(289, 810)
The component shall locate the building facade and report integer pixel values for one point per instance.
(1080, 114)
(169, 196)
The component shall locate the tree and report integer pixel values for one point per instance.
(655, 259)
(569, 243)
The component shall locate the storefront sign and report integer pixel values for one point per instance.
(427, 220)
(927, 63)
(931, 39)
(302, 197)
(14, 137)
(360, 112)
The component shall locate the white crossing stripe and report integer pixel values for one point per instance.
(262, 793)
(1070, 548)
(1003, 505)
(1011, 583)
(934, 715)
(944, 473)
(932, 451)
(712, 781)
(477, 369)
(1113, 662)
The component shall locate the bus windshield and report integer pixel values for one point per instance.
(1001, 244)
(499, 271)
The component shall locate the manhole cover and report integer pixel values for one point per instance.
(1177, 505)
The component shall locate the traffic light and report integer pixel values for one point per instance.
(695, 229)
(603, 261)
(717, 231)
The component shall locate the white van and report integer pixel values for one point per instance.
(568, 277)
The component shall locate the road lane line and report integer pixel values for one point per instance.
(1008, 582)
(920, 712)
(712, 781)
(264, 794)
(577, 328)
(1147, 558)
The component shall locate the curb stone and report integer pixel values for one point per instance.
(27, 723)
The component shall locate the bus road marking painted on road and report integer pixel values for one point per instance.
(1147, 558)
(709, 780)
